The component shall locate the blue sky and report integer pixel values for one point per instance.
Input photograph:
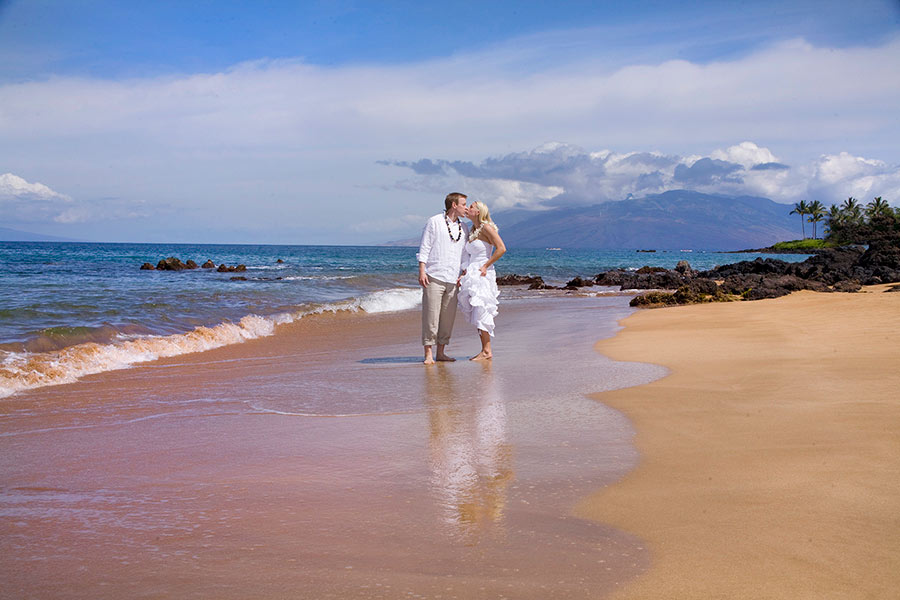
(307, 122)
(109, 38)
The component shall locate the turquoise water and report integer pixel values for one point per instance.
(70, 309)
(57, 289)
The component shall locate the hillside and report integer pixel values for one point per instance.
(678, 219)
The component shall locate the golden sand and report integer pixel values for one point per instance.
(771, 455)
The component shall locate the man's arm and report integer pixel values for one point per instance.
(424, 250)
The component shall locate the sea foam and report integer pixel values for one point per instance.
(26, 370)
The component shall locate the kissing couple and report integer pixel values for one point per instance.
(456, 268)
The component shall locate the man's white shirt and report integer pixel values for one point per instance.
(441, 254)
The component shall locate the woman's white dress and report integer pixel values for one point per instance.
(478, 295)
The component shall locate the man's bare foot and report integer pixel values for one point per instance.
(428, 361)
(482, 356)
(429, 356)
(445, 358)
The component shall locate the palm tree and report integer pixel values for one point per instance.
(816, 212)
(834, 218)
(852, 210)
(802, 209)
(877, 207)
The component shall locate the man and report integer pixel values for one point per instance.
(440, 255)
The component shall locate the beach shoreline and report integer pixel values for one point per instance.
(770, 455)
(325, 461)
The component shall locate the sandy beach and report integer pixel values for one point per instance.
(770, 457)
(757, 457)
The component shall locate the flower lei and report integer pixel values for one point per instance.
(477, 231)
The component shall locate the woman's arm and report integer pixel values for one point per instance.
(493, 238)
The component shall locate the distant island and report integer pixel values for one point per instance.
(674, 220)
(14, 235)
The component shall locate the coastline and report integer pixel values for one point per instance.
(770, 458)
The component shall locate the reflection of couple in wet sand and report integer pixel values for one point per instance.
(471, 461)
(456, 268)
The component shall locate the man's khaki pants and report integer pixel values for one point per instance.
(438, 312)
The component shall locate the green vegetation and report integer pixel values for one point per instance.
(816, 212)
(847, 223)
(807, 244)
(852, 223)
(683, 295)
(802, 209)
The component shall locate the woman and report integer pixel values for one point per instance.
(478, 285)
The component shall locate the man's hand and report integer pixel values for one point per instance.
(423, 278)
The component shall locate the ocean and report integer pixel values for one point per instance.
(72, 309)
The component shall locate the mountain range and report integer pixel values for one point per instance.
(678, 219)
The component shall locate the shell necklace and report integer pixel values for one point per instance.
(450, 231)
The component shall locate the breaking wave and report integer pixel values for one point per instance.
(27, 370)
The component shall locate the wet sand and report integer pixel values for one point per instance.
(326, 462)
(770, 457)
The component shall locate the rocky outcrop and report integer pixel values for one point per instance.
(756, 286)
(881, 255)
(697, 292)
(833, 270)
(655, 279)
(877, 264)
(223, 268)
(684, 268)
(847, 285)
(578, 282)
(534, 283)
(174, 264)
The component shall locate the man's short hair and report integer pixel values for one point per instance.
(452, 199)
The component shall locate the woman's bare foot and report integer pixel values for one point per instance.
(482, 356)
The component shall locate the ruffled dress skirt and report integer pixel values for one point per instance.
(478, 297)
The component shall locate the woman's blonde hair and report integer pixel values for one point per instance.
(483, 213)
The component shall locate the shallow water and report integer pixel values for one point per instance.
(68, 310)
(228, 474)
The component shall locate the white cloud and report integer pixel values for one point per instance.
(297, 141)
(13, 186)
(842, 175)
(505, 193)
(844, 167)
(746, 154)
(23, 202)
(566, 174)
